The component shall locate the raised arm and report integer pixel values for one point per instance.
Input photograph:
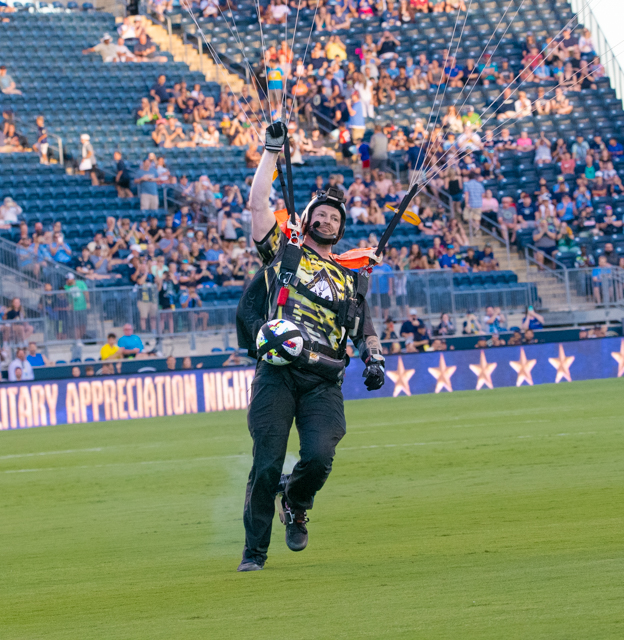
(262, 220)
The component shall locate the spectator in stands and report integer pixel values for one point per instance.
(17, 331)
(36, 359)
(410, 326)
(147, 178)
(358, 213)
(504, 107)
(78, 295)
(9, 213)
(615, 148)
(145, 50)
(130, 344)
(529, 337)
(12, 145)
(20, 368)
(471, 325)
(41, 146)
(106, 48)
(122, 176)
(532, 320)
(523, 106)
(159, 90)
(110, 351)
(386, 47)
(488, 261)
(473, 194)
(449, 259)
(543, 154)
(60, 250)
(494, 320)
(524, 143)
(89, 161)
(446, 326)
(7, 84)
(378, 149)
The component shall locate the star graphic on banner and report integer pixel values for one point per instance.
(562, 364)
(618, 356)
(401, 378)
(523, 368)
(483, 371)
(442, 374)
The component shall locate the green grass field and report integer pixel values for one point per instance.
(476, 515)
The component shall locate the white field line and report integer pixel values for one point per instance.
(248, 456)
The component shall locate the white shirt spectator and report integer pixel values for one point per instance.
(523, 108)
(107, 49)
(25, 366)
(358, 212)
(211, 138)
(469, 140)
(9, 211)
(123, 53)
(279, 11)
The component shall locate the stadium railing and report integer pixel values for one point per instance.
(443, 291)
(17, 333)
(586, 16)
(14, 257)
(602, 287)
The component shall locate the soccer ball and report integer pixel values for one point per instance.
(279, 352)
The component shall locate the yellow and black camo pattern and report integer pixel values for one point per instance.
(324, 277)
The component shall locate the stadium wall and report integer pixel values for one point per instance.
(82, 400)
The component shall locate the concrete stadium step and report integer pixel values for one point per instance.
(186, 53)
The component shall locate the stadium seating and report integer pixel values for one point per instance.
(80, 94)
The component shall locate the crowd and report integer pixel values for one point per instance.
(414, 335)
(133, 44)
(329, 16)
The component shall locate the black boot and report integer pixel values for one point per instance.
(250, 564)
(296, 530)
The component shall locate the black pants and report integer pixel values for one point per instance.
(279, 394)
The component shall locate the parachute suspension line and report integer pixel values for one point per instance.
(284, 75)
(217, 59)
(446, 84)
(415, 172)
(292, 49)
(290, 207)
(431, 159)
(494, 51)
(240, 46)
(305, 55)
(566, 26)
(266, 72)
(502, 126)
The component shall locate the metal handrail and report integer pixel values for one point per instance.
(11, 247)
(613, 69)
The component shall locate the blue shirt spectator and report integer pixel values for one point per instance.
(148, 187)
(357, 118)
(177, 217)
(615, 148)
(381, 283)
(475, 192)
(35, 359)
(449, 259)
(60, 250)
(130, 342)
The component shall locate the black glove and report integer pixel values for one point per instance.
(374, 375)
(275, 137)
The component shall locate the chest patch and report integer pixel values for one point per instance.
(323, 286)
